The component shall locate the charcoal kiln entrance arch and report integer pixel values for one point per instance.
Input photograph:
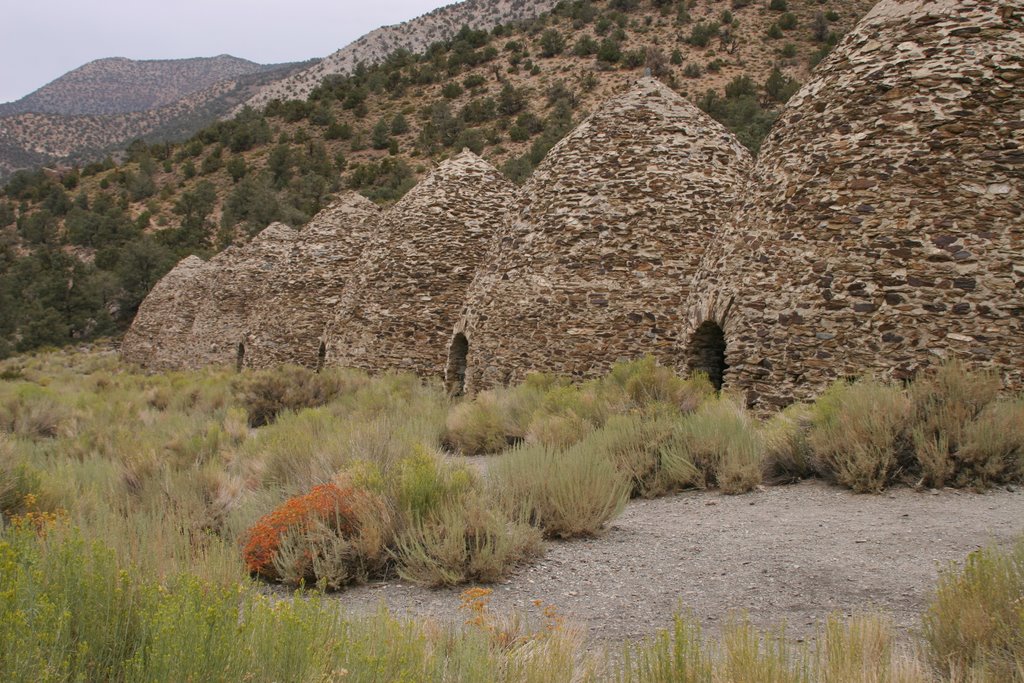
(240, 357)
(706, 352)
(455, 373)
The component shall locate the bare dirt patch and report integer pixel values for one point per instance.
(788, 554)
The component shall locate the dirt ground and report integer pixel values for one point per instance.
(790, 554)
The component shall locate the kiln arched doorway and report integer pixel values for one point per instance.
(706, 352)
(239, 357)
(455, 372)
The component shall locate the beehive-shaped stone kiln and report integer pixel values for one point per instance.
(597, 260)
(230, 297)
(398, 311)
(305, 289)
(158, 337)
(884, 228)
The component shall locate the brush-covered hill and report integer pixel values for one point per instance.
(102, 106)
(415, 35)
(117, 85)
(80, 249)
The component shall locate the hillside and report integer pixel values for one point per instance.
(508, 94)
(414, 35)
(102, 106)
(117, 85)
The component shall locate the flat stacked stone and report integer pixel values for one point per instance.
(883, 228)
(596, 262)
(229, 298)
(412, 280)
(305, 289)
(157, 339)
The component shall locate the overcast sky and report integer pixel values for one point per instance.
(43, 39)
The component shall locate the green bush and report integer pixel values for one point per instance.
(974, 626)
(564, 493)
(719, 445)
(268, 393)
(945, 402)
(858, 434)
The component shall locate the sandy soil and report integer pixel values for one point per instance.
(788, 554)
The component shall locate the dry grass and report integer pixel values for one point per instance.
(858, 434)
(945, 403)
(974, 626)
(719, 445)
(565, 493)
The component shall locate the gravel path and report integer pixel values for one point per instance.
(788, 554)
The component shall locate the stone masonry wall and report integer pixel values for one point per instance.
(882, 227)
(412, 280)
(596, 262)
(305, 289)
(229, 297)
(157, 337)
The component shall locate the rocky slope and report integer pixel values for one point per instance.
(106, 104)
(414, 35)
(117, 85)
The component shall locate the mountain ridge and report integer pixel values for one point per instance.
(166, 103)
(119, 85)
(414, 35)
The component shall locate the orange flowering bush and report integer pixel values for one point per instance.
(334, 534)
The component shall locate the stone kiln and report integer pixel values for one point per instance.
(230, 296)
(409, 287)
(883, 230)
(595, 263)
(158, 337)
(305, 289)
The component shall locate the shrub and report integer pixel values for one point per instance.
(266, 394)
(859, 433)
(558, 431)
(35, 413)
(702, 33)
(643, 383)
(17, 482)
(719, 445)
(425, 483)
(462, 540)
(633, 444)
(974, 626)
(564, 493)
(992, 449)
(679, 655)
(787, 452)
(333, 535)
(945, 403)
(476, 427)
